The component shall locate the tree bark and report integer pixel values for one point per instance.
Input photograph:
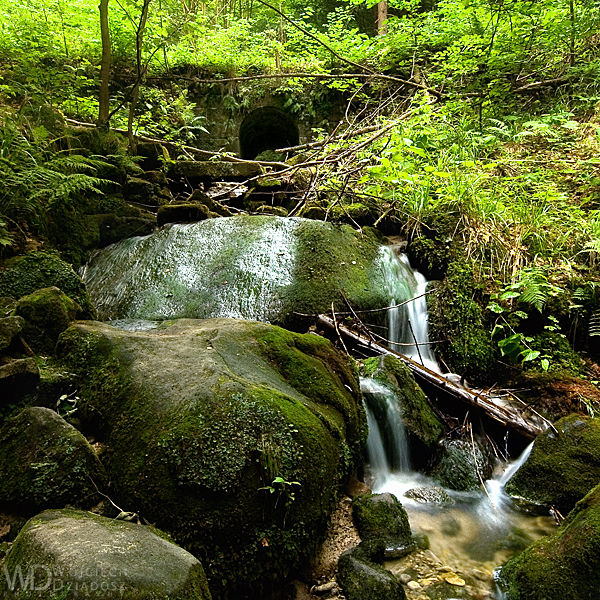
(139, 42)
(382, 15)
(104, 99)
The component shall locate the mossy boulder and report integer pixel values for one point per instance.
(24, 275)
(252, 267)
(563, 466)
(423, 427)
(383, 518)
(363, 579)
(19, 380)
(182, 213)
(79, 555)
(563, 565)
(9, 328)
(234, 436)
(46, 463)
(463, 465)
(47, 313)
(457, 318)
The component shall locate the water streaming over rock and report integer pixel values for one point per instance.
(408, 325)
(262, 268)
(478, 530)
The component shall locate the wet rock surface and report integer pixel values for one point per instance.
(564, 465)
(232, 435)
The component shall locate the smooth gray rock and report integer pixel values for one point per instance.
(79, 555)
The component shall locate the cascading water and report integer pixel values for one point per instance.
(387, 446)
(408, 324)
(481, 529)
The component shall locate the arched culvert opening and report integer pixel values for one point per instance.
(267, 128)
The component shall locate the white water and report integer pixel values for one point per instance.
(210, 269)
(408, 325)
(474, 534)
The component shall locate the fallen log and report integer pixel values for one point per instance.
(506, 416)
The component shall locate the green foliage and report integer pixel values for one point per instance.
(36, 180)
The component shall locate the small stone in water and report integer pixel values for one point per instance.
(445, 569)
(405, 578)
(414, 585)
(454, 580)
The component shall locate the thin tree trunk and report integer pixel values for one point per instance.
(572, 33)
(139, 42)
(382, 15)
(104, 100)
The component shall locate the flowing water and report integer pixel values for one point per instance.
(408, 324)
(477, 531)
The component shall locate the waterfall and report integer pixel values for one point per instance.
(408, 325)
(387, 445)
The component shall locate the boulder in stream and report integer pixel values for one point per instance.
(260, 267)
(563, 565)
(79, 555)
(564, 465)
(234, 436)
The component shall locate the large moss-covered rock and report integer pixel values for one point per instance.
(79, 555)
(562, 467)
(47, 313)
(423, 427)
(46, 463)
(234, 436)
(260, 267)
(563, 565)
(24, 275)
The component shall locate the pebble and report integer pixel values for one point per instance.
(445, 569)
(405, 577)
(454, 580)
(414, 585)
(326, 587)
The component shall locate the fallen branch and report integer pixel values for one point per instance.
(504, 415)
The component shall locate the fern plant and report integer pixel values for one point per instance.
(35, 179)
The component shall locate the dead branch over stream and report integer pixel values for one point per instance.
(504, 415)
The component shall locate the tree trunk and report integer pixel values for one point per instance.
(382, 15)
(139, 42)
(104, 100)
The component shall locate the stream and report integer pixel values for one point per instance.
(473, 533)
(220, 268)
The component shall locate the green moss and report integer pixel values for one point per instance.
(201, 416)
(45, 462)
(462, 467)
(381, 517)
(562, 467)
(25, 274)
(563, 359)
(563, 565)
(456, 318)
(47, 313)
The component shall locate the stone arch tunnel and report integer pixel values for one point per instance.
(267, 128)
